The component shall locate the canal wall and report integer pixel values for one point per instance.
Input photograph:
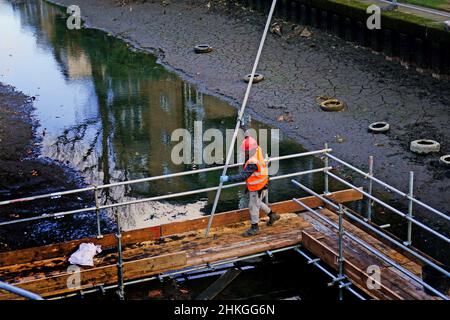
(412, 41)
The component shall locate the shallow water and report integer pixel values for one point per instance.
(108, 111)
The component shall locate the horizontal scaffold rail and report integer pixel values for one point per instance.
(150, 179)
(315, 223)
(372, 250)
(147, 255)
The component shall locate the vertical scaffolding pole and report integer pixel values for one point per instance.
(97, 212)
(266, 159)
(410, 208)
(120, 284)
(369, 201)
(341, 249)
(241, 115)
(325, 172)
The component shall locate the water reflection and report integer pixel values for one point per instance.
(109, 111)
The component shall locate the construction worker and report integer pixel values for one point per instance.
(256, 176)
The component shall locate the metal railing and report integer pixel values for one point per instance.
(19, 291)
(377, 253)
(211, 267)
(326, 171)
(99, 207)
(409, 217)
(335, 279)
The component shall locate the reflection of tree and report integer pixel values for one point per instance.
(124, 139)
(75, 134)
(137, 106)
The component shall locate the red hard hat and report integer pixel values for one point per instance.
(249, 144)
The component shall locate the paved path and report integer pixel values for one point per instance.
(428, 13)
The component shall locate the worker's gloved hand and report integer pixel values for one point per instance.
(224, 179)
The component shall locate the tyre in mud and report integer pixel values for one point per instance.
(445, 161)
(257, 78)
(379, 127)
(331, 105)
(203, 48)
(424, 146)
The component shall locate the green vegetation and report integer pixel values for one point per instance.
(395, 15)
(435, 4)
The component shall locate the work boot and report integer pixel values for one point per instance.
(272, 218)
(253, 230)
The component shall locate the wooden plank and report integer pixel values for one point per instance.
(211, 250)
(219, 285)
(224, 253)
(347, 195)
(369, 239)
(190, 242)
(358, 276)
(234, 216)
(361, 257)
(388, 242)
(414, 289)
(101, 276)
(64, 249)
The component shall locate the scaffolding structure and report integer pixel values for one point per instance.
(340, 279)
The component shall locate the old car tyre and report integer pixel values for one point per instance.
(257, 78)
(424, 146)
(379, 127)
(202, 48)
(331, 105)
(445, 160)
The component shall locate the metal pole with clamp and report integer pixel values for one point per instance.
(341, 249)
(97, 212)
(120, 284)
(410, 208)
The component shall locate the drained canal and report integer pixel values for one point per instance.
(108, 112)
(105, 113)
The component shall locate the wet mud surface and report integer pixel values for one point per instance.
(298, 69)
(23, 173)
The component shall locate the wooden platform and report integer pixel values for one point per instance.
(179, 245)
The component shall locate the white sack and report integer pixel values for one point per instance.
(84, 256)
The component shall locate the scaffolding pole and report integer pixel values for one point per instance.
(241, 114)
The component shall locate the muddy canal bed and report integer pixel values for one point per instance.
(95, 110)
(23, 173)
(105, 113)
(297, 70)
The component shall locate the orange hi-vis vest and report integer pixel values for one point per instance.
(260, 177)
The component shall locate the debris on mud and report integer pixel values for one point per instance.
(286, 117)
(306, 33)
(275, 28)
